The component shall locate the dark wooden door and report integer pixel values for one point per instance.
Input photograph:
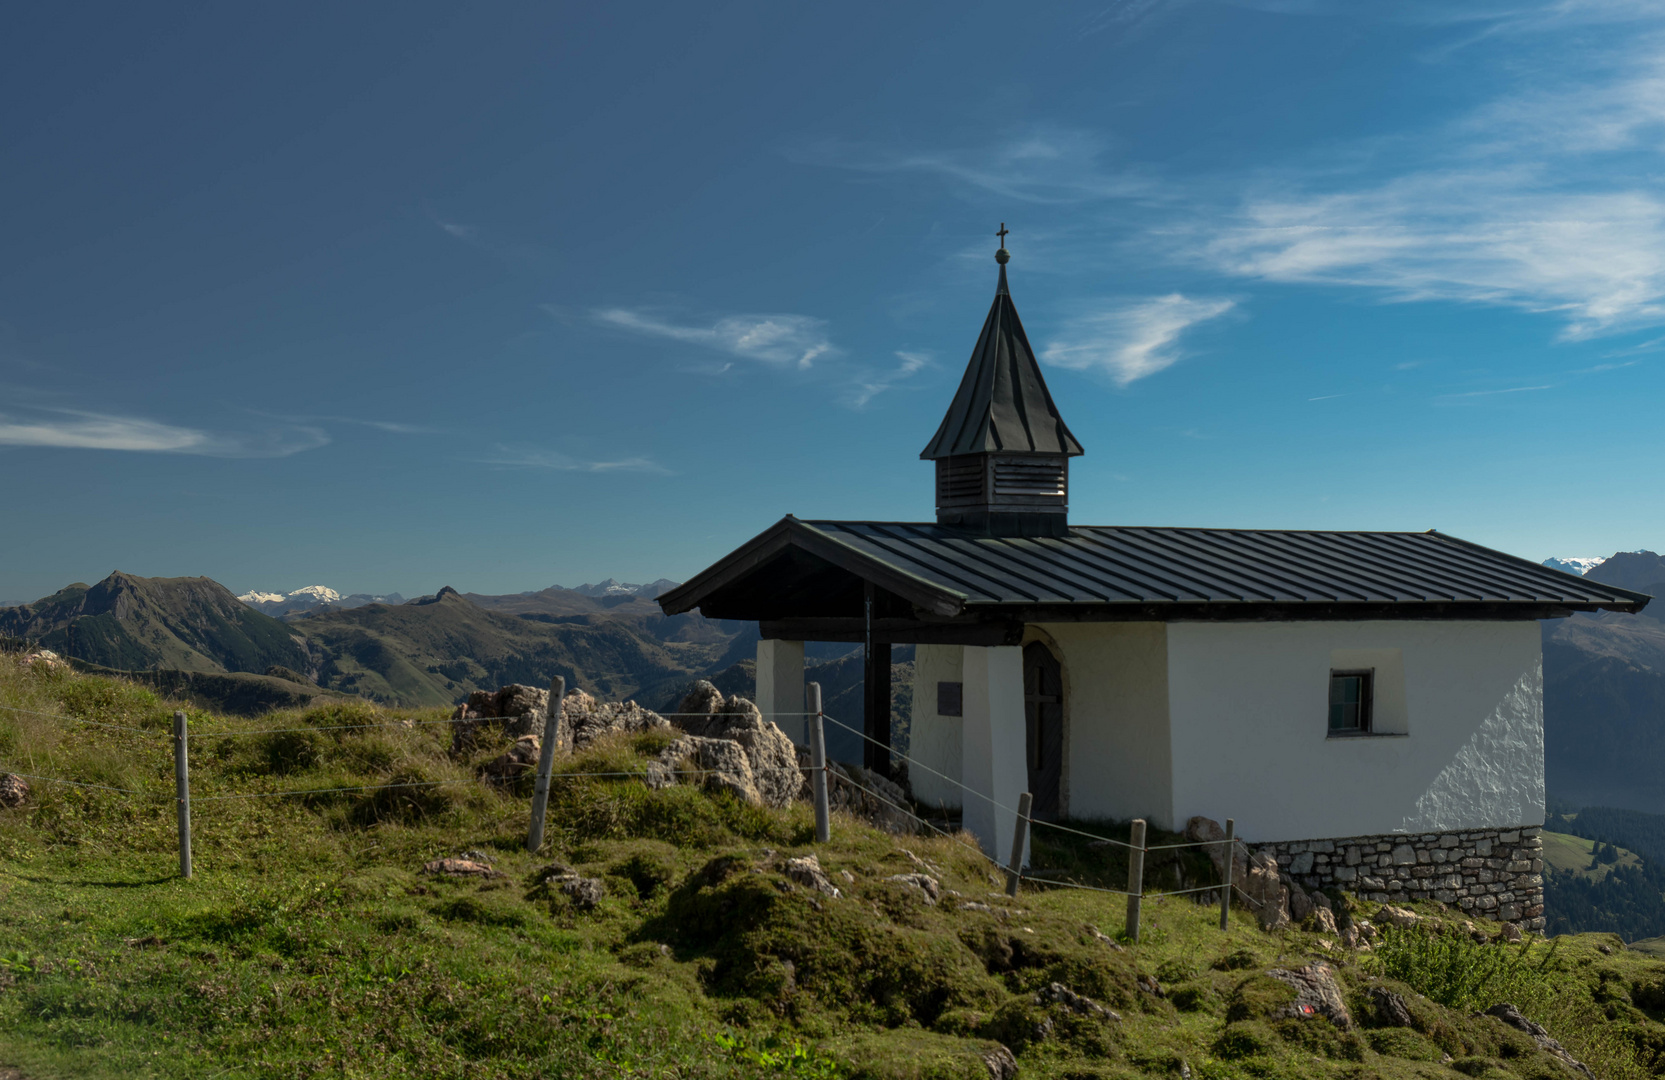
(1043, 711)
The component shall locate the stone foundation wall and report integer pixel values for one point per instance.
(1491, 873)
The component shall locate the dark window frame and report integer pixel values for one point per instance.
(1366, 704)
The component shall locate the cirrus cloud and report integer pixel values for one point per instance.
(72, 429)
(1131, 339)
(780, 340)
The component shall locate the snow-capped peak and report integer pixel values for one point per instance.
(321, 594)
(258, 597)
(1576, 564)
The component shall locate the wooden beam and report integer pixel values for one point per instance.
(897, 631)
(876, 708)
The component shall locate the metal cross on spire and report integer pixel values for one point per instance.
(1002, 233)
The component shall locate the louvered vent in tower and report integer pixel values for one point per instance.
(1030, 476)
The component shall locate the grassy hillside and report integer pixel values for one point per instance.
(311, 942)
(1575, 855)
(1603, 872)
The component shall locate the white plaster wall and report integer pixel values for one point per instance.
(935, 740)
(780, 686)
(1248, 704)
(1116, 709)
(992, 746)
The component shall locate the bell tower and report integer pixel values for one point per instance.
(1002, 452)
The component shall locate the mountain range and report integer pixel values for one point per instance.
(1604, 675)
(1604, 695)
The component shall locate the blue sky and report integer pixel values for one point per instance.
(392, 297)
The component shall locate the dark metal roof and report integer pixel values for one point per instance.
(1003, 403)
(1168, 573)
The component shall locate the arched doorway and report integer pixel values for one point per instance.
(1043, 711)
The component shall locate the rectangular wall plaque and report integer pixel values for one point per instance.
(950, 696)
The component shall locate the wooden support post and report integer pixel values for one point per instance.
(1020, 833)
(818, 763)
(1230, 862)
(546, 761)
(182, 790)
(1135, 878)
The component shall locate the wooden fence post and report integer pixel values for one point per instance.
(1230, 863)
(182, 791)
(1135, 878)
(1020, 831)
(818, 764)
(546, 761)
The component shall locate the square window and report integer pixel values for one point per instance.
(1350, 701)
(950, 699)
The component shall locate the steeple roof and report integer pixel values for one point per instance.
(1003, 404)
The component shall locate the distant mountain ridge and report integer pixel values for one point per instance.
(279, 604)
(134, 623)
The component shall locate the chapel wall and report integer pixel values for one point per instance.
(1461, 702)
(1491, 873)
(935, 740)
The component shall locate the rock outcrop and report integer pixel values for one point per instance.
(584, 720)
(770, 756)
(520, 758)
(808, 873)
(1316, 994)
(1512, 1016)
(515, 709)
(520, 711)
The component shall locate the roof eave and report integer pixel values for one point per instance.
(791, 532)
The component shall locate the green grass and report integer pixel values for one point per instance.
(310, 944)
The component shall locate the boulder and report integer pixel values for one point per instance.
(584, 720)
(1404, 918)
(865, 794)
(1300, 904)
(1316, 994)
(771, 759)
(460, 868)
(1000, 1063)
(515, 709)
(13, 790)
(922, 883)
(1390, 1008)
(1200, 829)
(1265, 891)
(1512, 1016)
(1321, 921)
(520, 758)
(1059, 994)
(43, 660)
(808, 873)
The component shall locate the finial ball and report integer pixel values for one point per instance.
(1002, 256)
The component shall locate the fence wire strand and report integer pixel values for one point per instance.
(79, 720)
(79, 784)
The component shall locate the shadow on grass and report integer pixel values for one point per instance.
(34, 880)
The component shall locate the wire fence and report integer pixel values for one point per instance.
(1016, 871)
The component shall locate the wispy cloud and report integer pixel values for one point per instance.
(781, 340)
(1133, 339)
(1543, 197)
(528, 457)
(869, 388)
(1468, 394)
(1047, 165)
(80, 430)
